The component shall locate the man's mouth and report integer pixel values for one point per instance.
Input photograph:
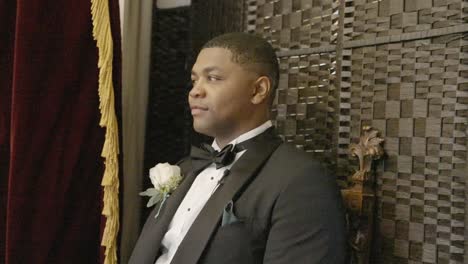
(196, 109)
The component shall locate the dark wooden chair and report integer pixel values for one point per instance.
(359, 197)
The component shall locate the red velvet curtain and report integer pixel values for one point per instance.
(50, 139)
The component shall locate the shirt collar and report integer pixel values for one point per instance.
(247, 135)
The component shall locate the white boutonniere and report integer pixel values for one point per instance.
(165, 179)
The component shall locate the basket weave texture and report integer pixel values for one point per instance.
(342, 68)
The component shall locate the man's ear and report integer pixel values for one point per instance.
(261, 91)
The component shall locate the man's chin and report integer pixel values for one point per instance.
(202, 129)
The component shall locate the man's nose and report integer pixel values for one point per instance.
(197, 89)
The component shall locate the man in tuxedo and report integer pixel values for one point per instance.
(248, 198)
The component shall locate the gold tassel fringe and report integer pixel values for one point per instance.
(110, 181)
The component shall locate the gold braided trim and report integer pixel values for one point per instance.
(110, 181)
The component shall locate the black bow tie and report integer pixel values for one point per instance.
(208, 155)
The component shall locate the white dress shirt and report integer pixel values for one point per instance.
(201, 190)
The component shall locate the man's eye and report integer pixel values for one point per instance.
(213, 78)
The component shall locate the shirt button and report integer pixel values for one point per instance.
(212, 178)
(188, 209)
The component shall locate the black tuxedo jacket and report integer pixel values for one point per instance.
(288, 210)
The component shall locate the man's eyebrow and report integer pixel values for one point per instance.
(208, 69)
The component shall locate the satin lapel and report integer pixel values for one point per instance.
(242, 172)
(155, 230)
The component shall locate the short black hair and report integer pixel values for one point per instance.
(249, 49)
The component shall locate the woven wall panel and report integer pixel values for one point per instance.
(212, 18)
(415, 93)
(306, 104)
(370, 18)
(293, 24)
(169, 124)
(305, 107)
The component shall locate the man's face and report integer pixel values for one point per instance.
(220, 99)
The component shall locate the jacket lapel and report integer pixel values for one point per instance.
(242, 173)
(155, 229)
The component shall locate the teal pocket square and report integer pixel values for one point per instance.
(228, 214)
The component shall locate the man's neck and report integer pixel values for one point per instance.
(223, 141)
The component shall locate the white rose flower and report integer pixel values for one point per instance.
(165, 179)
(162, 173)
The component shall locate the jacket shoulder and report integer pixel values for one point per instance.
(289, 164)
(290, 155)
